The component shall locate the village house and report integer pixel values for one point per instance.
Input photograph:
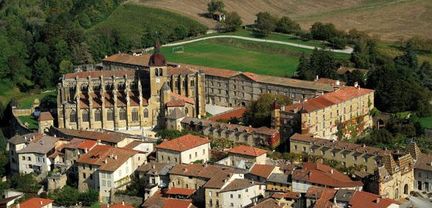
(389, 174)
(262, 136)
(155, 176)
(16, 143)
(320, 175)
(185, 149)
(278, 182)
(35, 203)
(34, 155)
(422, 169)
(115, 139)
(159, 201)
(244, 157)
(241, 193)
(107, 169)
(261, 173)
(342, 113)
(45, 121)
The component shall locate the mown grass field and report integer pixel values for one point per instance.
(240, 55)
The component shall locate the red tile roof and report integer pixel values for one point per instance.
(45, 116)
(247, 150)
(324, 175)
(35, 203)
(332, 98)
(106, 157)
(176, 203)
(104, 136)
(105, 73)
(176, 96)
(118, 205)
(362, 199)
(180, 191)
(323, 196)
(124, 58)
(263, 171)
(234, 113)
(183, 143)
(286, 195)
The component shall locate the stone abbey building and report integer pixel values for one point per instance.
(129, 94)
(140, 91)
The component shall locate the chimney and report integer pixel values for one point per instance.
(356, 85)
(41, 203)
(337, 82)
(55, 135)
(153, 166)
(18, 205)
(378, 200)
(85, 150)
(316, 78)
(123, 203)
(331, 171)
(105, 161)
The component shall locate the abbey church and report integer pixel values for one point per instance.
(129, 92)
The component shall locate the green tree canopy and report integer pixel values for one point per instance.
(259, 112)
(265, 23)
(215, 6)
(232, 22)
(287, 25)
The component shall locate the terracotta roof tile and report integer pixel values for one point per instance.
(104, 136)
(105, 73)
(106, 157)
(362, 199)
(176, 96)
(287, 195)
(238, 184)
(180, 191)
(268, 203)
(35, 203)
(234, 113)
(124, 58)
(317, 173)
(263, 171)
(247, 150)
(177, 203)
(183, 143)
(324, 196)
(332, 98)
(45, 116)
(83, 144)
(117, 205)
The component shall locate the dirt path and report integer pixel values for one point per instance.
(345, 51)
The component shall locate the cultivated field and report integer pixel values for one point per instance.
(388, 19)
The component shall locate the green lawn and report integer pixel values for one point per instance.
(279, 37)
(241, 55)
(31, 122)
(27, 100)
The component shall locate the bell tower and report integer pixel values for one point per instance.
(157, 69)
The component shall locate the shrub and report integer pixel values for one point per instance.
(287, 25)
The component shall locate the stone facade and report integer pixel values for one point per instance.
(342, 113)
(128, 96)
(230, 88)
(262, 136)
(391, 174)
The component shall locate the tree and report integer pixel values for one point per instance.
(287, 25)
(409, 58)
(355, 77)
(65, 67)
(43, 73)
(259, 112)
(321, 63)
(265, 23)
(69, 196)
(26, 183)
(321, 31)
(232, 22)
(425, 74)
(215, 6)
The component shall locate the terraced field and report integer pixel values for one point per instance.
(389, 19)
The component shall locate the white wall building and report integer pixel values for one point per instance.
(185, 149)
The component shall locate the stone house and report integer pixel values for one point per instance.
(244, 157)
(185, 149)
(107, 169)
(241, 193)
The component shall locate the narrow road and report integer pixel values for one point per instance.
(346, 51)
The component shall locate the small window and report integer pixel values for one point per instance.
(110, 115)
(146, 113)
(85, 115)
(122, 113)
(72, 116)
(98, 115)
(134, 114)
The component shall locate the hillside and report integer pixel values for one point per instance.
(388, 19)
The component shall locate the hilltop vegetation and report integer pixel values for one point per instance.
(41, 40)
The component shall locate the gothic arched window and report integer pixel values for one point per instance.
(98, 115)
(146, 113)
(72, 116)
(122, 113)
(134, 114)
(85, 115)
(110, 114)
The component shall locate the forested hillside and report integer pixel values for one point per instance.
(42, 39)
